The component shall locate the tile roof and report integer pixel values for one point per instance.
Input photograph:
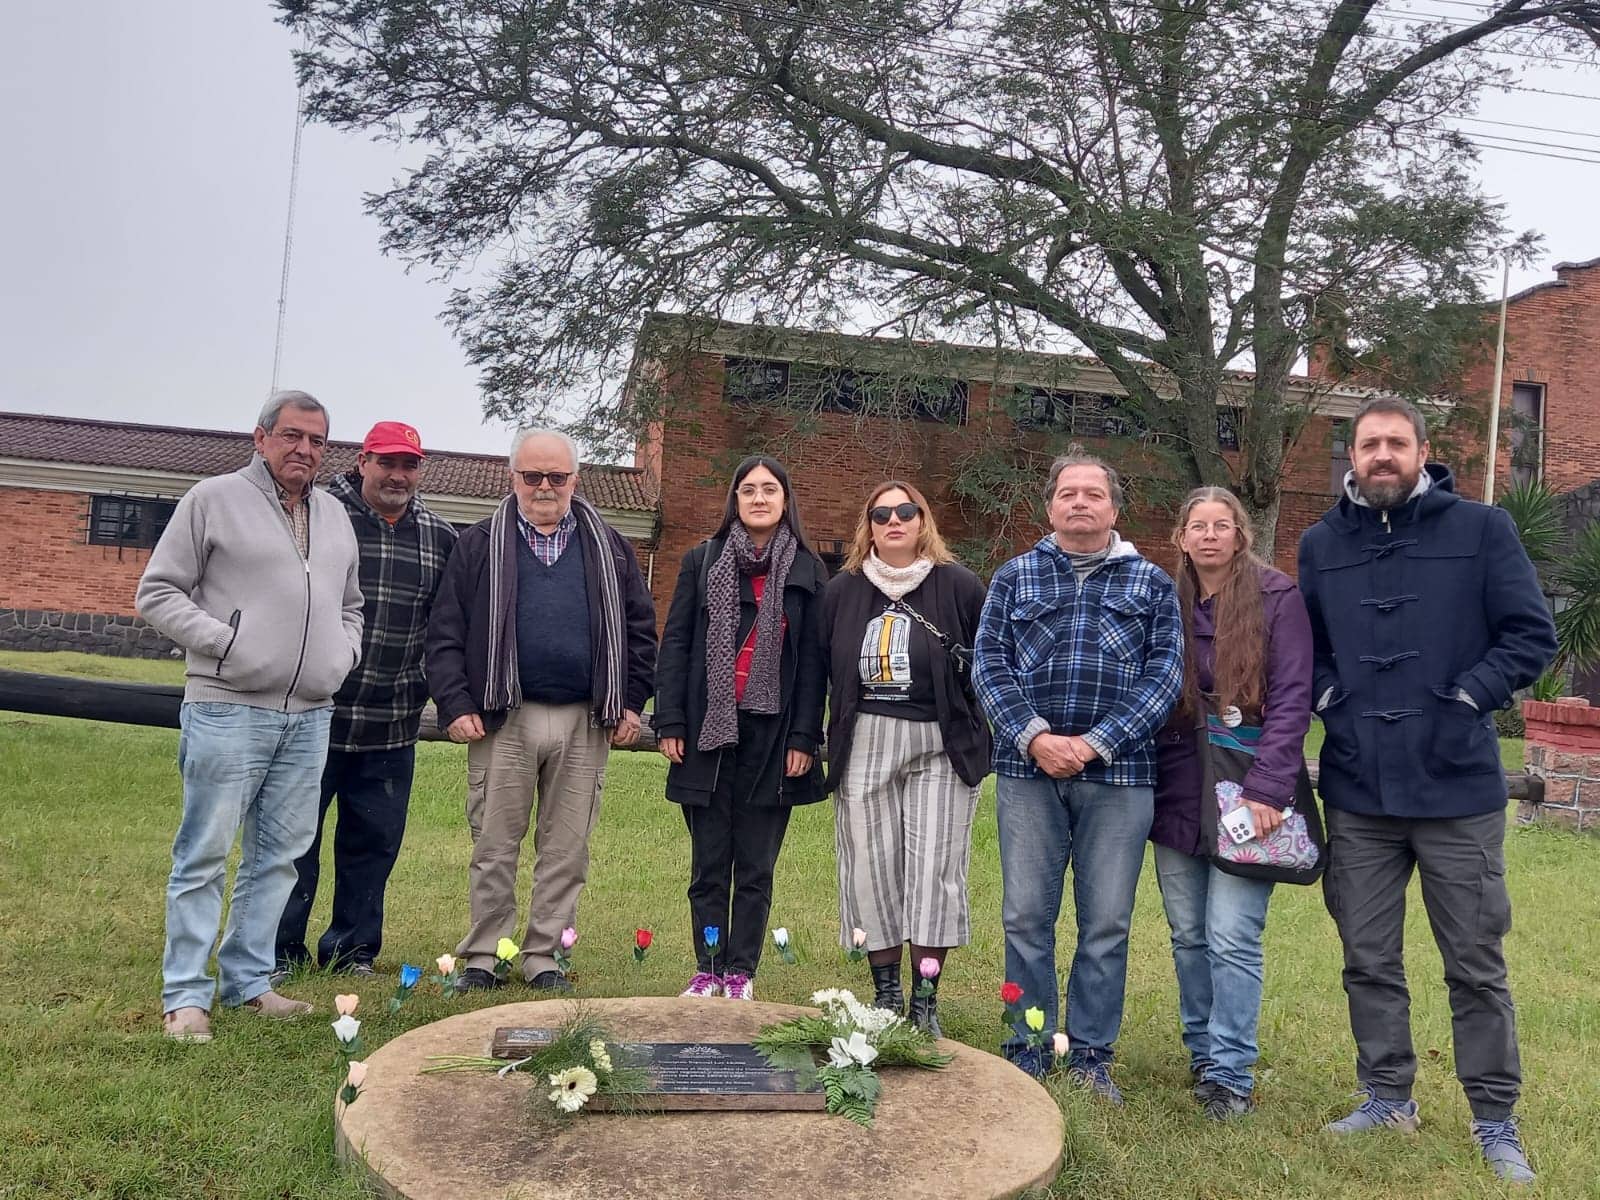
(212, 452)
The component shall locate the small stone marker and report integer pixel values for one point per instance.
(515, 1041)
(713, 1076)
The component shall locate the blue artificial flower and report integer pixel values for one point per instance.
(712, 935)
(409, 976)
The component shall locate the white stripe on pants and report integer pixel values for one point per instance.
(903, 830)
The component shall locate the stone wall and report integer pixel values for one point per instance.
(90, 633)
(1563, 749)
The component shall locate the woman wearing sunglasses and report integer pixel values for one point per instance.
(740, 681)
(907, 743)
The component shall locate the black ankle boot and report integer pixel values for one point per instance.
(924, 1010)
(886, 991)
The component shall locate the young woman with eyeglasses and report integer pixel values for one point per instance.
(1247, 646)
(907, 743)
(740, 681)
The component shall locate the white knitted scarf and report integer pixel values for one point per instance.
(895, 582)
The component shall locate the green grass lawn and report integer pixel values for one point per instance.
(99, 1105)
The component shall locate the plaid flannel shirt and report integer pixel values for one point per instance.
(379, 705)
(1103, 661)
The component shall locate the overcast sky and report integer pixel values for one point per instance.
(145, 177)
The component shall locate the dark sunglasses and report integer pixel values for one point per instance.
(906, 512)
(537, 478)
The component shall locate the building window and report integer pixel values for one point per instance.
(1339, 457)
(832, 552)
(1527, 433)
(808, 387)
(1227, 427)
(128, 521)
(1082, 414)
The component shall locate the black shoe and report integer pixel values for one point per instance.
(886, 991)
(924, 1009)
(1220, 1103)
(550, 981)
(476, 979)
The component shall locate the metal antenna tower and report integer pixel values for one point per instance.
(288, 223)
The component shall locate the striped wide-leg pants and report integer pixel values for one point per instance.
(903, 830)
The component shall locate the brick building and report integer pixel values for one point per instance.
(1550, 387)
(82, 502)
(728, 390)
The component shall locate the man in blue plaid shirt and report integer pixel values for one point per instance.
(372, 747)
(1078, 661)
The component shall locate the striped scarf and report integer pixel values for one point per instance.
(740, 557)
(502, 688)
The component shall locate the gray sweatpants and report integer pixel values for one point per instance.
(1462, 864)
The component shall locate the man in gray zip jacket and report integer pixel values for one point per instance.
(256, 578)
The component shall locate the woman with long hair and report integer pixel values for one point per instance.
(907, 743)
(1247, 660)
(740, 680)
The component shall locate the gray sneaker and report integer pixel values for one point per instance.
(1096, 1076)
(1221, 1103)
(1374, 1112)
(1502, 1149)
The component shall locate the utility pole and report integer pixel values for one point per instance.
(1494, 396)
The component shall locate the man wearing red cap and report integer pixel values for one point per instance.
(372, 745)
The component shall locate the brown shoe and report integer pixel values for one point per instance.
(187, 1025)
(279, 1008)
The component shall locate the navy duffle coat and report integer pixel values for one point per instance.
(1410, 607)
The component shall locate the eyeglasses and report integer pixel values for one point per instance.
(293, 437)
(766, 491)
(1220, 528)
(537, 478)
(907, 512)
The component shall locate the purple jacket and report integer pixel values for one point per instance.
(1281, 751)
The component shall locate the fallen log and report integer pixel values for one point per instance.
(158, 704)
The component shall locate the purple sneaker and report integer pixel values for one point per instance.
(738, 987)
(703, 985)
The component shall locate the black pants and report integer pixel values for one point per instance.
(733, 849)
(1462, 864)
(373, 788)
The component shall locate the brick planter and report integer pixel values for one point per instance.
(1563, 749)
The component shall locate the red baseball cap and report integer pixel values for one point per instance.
(393, 437)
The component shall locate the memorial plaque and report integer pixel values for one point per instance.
(514, 1043)
(700, 1076)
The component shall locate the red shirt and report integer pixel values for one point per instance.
(741, 665)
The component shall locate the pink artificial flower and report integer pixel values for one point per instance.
(357, 1075)
(569, 938)
(928, 968)
(346, 1005)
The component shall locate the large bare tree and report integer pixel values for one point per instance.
(1177, 186)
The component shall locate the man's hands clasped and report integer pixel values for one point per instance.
(1061, 755)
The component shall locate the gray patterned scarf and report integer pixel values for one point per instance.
(502, 688)
(740, 558)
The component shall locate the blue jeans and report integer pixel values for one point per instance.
(1100, 828)
(1217, 920)
(250, 767)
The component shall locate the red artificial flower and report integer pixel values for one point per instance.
(1010, 992)
(642, 938)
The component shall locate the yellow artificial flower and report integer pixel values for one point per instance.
(506, 950)
(1035, 1019)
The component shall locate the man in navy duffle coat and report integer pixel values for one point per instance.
(1426, 616)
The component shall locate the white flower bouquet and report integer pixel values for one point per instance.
(855, 1038)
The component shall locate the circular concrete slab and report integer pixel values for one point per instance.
(979, 1128)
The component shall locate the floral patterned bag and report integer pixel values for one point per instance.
(1295, 852)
